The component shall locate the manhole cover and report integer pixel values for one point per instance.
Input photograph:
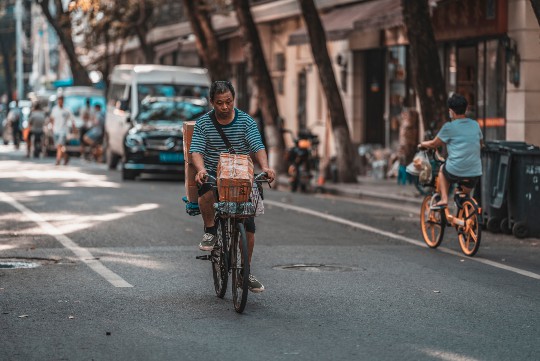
(18, 264)
(315, 267)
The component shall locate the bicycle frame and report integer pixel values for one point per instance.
(467, 219)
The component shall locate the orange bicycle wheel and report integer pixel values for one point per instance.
(432, 223)
(469, 235)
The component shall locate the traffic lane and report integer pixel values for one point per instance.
(80, 202)
(405, 220)
(384, 307)
(376, 311)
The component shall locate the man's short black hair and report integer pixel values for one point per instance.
(458, 103)
(97, 105)
(220, 87)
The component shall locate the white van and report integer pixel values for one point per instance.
(130, 84)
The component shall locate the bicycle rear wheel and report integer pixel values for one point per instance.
(218, 256)
(432, 223)
(469, 236)
(240, 268)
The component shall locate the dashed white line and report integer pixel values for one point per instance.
(365, 227)
(82, 253)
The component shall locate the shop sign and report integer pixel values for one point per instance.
(460, 19)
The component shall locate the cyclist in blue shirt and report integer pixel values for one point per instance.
(463, 139)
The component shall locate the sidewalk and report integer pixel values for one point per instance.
(370, 188)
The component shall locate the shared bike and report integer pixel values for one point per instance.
(230, 254)
(467, 220)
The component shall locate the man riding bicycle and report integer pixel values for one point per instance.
(206, 147)
(463, 139)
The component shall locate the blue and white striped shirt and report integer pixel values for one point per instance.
(242, 133)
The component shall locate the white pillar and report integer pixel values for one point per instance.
(18, 45)
(522, 105)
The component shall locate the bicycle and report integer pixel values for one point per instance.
(467, 220)
(230, 253)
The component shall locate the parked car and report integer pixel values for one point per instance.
(131, 84)
(74, 100)
(154, 144)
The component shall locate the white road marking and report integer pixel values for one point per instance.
(82, 253)
(365, 227)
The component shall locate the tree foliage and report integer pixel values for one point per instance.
(60, 20)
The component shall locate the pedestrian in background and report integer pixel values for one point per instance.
(36, 121)
(61, 119)
(88, 122)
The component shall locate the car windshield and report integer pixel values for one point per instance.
(75, 103)
(145, 91)
(170, 111)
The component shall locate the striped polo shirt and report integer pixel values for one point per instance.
(242, 133)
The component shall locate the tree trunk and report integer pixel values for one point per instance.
(536, 7)
(62, 27)
(426, 68)
(345, 153)
(147, 49)
(7, 70)
(259, 71)
(206, 41)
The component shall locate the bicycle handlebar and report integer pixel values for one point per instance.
(258, 178)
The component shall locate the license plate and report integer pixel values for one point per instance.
(171, 157)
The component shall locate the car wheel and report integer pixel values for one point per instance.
(128, 174)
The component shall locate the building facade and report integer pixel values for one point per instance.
(489, 51)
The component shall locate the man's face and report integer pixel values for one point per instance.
(223, 104)
(60, 102)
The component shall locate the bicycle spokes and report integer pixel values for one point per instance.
(469, 234)
(432, 223)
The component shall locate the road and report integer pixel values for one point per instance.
(118, 279)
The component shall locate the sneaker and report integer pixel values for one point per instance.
(207, 243)
(254, 285)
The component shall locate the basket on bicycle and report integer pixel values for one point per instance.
(239, 202)
(235, 187)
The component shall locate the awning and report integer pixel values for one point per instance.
(368, 15)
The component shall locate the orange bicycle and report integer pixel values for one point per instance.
(467, 220)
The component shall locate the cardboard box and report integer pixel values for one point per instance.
(187, 130)
(234, 177)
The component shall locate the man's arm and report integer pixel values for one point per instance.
(434, 143)
(262, 158)
(198, 163)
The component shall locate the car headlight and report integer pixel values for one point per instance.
(134, 142)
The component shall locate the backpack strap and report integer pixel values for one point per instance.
(219, 128)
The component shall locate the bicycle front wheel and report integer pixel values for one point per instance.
(469, 235)
(218, 256)
(432, 223)
(240, 268)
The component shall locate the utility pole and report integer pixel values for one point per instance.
(18, 45)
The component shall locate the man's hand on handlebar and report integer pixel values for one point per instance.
(201, 176)
(271, 174)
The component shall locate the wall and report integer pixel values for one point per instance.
(523, 107)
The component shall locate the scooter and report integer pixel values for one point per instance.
(302, 160)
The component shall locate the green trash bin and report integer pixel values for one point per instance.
(494, 184)
(524, 192)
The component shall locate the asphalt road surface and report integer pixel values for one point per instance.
(116, 278)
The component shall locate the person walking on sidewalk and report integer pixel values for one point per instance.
(36, 121)
(61, 119)
(463, 139)
(206, 147)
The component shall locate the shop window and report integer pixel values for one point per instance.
(397, 92)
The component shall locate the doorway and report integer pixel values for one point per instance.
(374, 99)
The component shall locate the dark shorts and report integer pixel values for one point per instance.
(468, 182)
(209, 185)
